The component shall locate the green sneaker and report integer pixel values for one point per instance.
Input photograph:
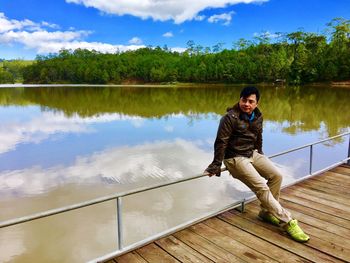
(295, 231)
(267, 217)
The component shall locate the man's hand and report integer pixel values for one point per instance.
(213, 170)
(207, 173)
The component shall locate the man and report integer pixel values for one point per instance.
(239, 144)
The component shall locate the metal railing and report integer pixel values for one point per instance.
(118, 197)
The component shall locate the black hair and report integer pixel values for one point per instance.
(247, 91)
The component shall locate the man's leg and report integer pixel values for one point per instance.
(242, 169)
(268, 170)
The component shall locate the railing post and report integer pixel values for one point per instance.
(241, 207)
(119, 223)
(348, 162)
(311, 153)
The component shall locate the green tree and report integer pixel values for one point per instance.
(6, 77)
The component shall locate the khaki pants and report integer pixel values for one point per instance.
(263, 178)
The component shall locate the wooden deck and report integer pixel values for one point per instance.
(321, 204)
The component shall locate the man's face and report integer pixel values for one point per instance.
(248, 104)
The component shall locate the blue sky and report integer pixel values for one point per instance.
(28, 28)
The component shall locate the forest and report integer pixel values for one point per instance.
(297, 58)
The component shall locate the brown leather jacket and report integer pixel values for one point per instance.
(236, 136)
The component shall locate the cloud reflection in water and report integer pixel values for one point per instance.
(114, 168)
(41, 126)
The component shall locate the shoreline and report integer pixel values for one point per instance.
(333, 84)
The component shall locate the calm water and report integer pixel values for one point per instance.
(63, 145)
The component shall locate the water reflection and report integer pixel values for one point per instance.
(38, 126)
(73, 237)
(60, 146)
(303, 108)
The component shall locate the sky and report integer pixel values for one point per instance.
(40, 27)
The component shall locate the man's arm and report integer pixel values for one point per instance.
(224, 132)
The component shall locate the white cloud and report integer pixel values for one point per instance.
(168, 34)
(38, 37)
(12, 24)
(135, 40)
(267, 34)
(50, 25)
(31, 39)
(199, 18)
(6, 24)
(225, 18)
(46, 42)
(179, 11)
(45, 38)
(178, 49)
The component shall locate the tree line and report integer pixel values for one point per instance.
(298, 57)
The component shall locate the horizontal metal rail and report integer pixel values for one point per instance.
(92, 202)
(56, 211)
(317, 172)
(309, 145)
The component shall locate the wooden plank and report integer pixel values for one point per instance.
(315, 205)
(341, 169)
(330, 182)
(312, 229)
(319, 219)
(346, 166)
(153, 253)
(334, 179)
(318, 198)
(261, 245)
(339, 176)
(319, 193)
(339, 179)
(322, 240)
(206, 248)
(181, 251)
(337, 173)
(325, 188)
(338, 191)
(276, 237)
(238, 249)
(131, 257)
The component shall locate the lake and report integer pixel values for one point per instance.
(64, 145)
